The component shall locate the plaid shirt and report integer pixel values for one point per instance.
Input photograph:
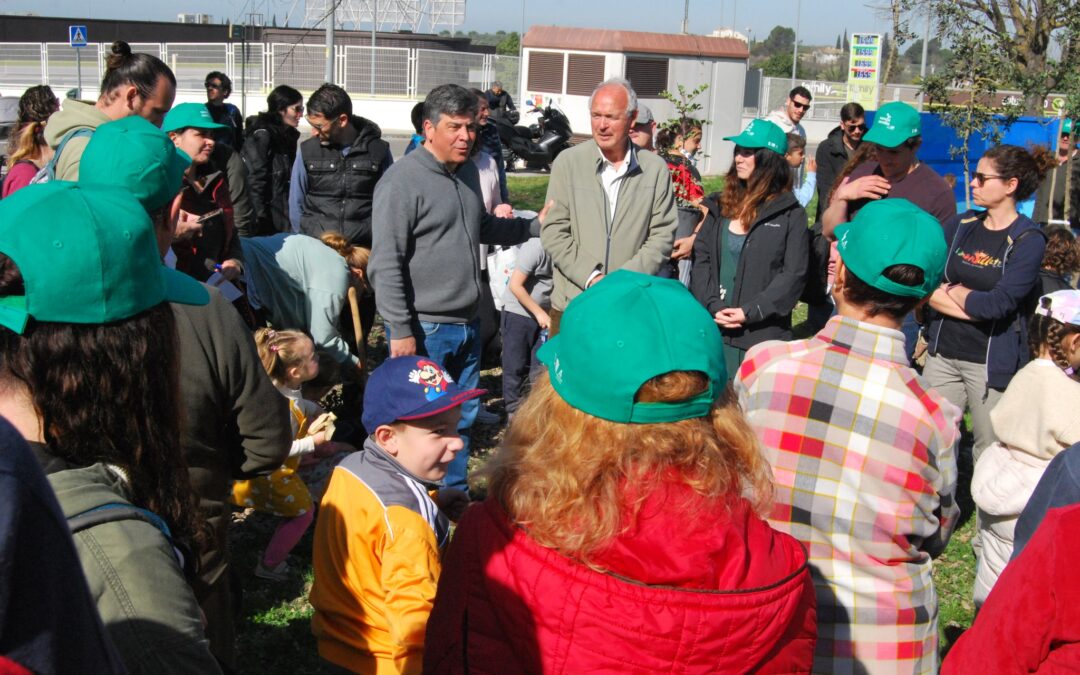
(862, 453)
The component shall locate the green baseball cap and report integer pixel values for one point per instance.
(891, 232)
(1066, 125)
(133, 154)
(761, 134)
(625, 330)
(90, 257)
(187, 115)
(894, 123)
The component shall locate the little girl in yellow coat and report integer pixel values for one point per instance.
(290, 360)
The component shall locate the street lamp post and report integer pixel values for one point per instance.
(795, 53)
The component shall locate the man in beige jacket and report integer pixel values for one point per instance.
(612, 205)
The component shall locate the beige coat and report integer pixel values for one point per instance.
(578, 234)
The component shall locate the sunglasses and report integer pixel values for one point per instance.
(212, 85)
(981, 178)
(741, 151)
(856, 127)
(298, 108)
(320, 127)
(801, 106)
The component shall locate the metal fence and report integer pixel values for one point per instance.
(382, 71)
(828, 97)
(256, 68)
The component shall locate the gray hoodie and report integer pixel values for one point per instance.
(427, 227)
(75, 115)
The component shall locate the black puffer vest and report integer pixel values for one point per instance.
(340, 188)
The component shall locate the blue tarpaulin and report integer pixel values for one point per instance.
(937, 138)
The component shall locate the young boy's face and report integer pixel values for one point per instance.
(426, 446)
(795, 157)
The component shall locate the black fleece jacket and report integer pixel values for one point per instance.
(771, 272)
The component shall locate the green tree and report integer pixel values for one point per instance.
(510, 46)
(781, 39)
(778, 65)
(1025, 34)
(838, 43)
(976, 65)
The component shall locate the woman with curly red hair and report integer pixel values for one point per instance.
(622, 521)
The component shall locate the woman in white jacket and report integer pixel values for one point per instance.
(1035, 419)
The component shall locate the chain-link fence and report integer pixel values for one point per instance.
(191, 62)
(507, 69)
(256, 68)
(21, 63)
(62, 66)
(299, 66)
(391, 71)
(434, 68)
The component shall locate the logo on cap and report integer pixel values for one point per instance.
(886, 120)
(432, 378)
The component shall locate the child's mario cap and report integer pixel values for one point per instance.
(410, 388)
(1061, 305)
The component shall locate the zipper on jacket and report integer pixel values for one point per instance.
(474, 247)
(945, 276)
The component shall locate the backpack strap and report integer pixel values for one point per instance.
(113, 512)
(48, 172)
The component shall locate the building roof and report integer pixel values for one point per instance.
(626, 41)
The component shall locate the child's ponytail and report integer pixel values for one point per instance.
(1046, 331)
(279, 350)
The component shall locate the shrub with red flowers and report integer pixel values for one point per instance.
(688, 191)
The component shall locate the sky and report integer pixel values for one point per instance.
(820, 21)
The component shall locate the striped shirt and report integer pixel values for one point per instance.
(863, 456)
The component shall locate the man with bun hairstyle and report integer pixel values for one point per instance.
(134, 84)
(862, 450)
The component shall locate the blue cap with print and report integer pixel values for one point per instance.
(410, 388)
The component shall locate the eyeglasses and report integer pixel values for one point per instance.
(317, 127)
(981, 178)
(801, 106)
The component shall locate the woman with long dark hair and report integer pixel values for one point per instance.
(88, 375)
(751, 254)
(269, 153)
(28, 151)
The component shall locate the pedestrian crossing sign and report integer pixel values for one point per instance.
(77, 36)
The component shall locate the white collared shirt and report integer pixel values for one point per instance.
(611, 178)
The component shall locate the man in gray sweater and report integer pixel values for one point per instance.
(428, 223)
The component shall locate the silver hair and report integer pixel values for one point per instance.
(631, 96)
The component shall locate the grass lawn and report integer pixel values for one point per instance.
(274, 626)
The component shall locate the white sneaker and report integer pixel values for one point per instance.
(279, 573)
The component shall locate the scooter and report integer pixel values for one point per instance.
(539, 144)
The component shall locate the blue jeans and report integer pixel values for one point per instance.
(457, 347)
(910, 329)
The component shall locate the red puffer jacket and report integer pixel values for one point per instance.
(693, 587)
(1031, 621)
